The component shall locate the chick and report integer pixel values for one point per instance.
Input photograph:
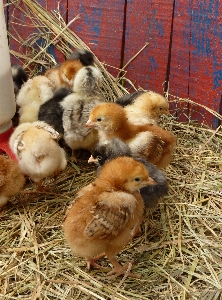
(113, 148)
(88, 81)
(11, 179)
(51, 111)
(107, 212)
(144, 107)
(19, 77)
(84, 56)
(76, 109)
(32, 94)
(63, 74)
(38, 153)
(151, 142)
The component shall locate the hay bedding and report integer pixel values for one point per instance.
(178, 254)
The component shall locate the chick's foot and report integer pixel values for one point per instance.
(92, 262)
(120, 270)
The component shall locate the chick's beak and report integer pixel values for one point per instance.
(150, 181)
(89, 123)
(92, 159)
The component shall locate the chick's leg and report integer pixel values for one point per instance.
(73, 157)
(118, 269)
(38, 189)
(136, 230)
(92, 262)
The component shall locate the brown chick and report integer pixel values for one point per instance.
(144, 107)
(106, 213)
(150, 142)
(31, 96)
(63, 74)
(36, 148)
(11, 179)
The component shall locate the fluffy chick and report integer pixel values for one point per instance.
(113, 148)
(107, 212)
(144, 107)
(19, 77)
(63, 74)
(32, 94)
(11, 179)
(76, 109)
(37, 150)
(151, 142)
(51, 111)
(84, 56)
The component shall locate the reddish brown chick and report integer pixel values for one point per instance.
(107, 213)
(11, 179)
(151, 142)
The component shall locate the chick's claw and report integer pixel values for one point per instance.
(92, 263)
(121, 270)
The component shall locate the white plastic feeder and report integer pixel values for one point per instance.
(7, 97)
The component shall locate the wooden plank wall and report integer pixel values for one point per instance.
(183, 55)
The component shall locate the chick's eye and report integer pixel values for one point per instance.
(99, 119)
(160, 108)
(137, 179)
(99, 157)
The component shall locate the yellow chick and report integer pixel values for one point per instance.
(144, 107)
(32, 94)
(107, 213)
(11, 179)
(36, 148)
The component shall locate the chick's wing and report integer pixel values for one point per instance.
(73, 117)
(110, 214)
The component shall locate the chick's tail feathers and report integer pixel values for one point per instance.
(168, 141)
(83, 55)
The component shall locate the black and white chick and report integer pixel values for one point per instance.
(84, 56)
(19, 77)
(110, 149)
(76, 109)
(51, 111)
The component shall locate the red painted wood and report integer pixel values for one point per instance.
(193, 49)
(195, 67)
(101, 27)
(205, 85)
(179, 73)
(21, 25)
(148, 21)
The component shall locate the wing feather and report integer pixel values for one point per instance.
(110, 214)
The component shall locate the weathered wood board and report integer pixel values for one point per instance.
(150, 21)
(101, 27)
(21, 25)
(183, 57)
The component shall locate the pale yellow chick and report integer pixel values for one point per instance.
(37, 150)
(144, 107)
(31, 96)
